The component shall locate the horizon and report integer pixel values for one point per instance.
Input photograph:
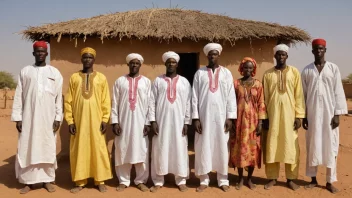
(16, 52)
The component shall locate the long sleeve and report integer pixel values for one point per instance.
(152, 102)
(68, 104)
(340, 98)
(115, 103)
(106, 102)
(261, 105)
(231, 104)
(195, 96)
(147, 122)
(266, 95)
(17, 106)
(188, 103)
(304, 84)
(300, 108)
(58, 100)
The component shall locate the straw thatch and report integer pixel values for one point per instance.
(165, 25)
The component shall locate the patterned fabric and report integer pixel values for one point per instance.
(245, 147)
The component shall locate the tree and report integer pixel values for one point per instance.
(349, 77)
(7, 80)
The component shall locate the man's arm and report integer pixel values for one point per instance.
(195, 95)
(58, 100)
(115, 103)
(231, 104)
(300, 107)
(106, 102)
(340, 98)
(188, 95)
(152, 102)
(68, 103)
(17, 106)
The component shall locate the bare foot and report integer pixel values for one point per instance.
(76, 189)
(201, 188)
(26, 189)
(251, 185)
(292, 185)
(225, 188)
(239, 184)
(182, 188)
(121, 187)
(154, 189)
(270, 184)
(311, 185)
(102, 188)
(331, 188)
(142, 187)
(49, 187)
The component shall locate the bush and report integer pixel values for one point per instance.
(7, 80)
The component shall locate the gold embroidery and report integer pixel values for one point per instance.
(281, 79)
(87, 87)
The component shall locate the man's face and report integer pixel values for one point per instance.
(40, 54)
(134, 66)
(319, 51)
(171, 65)
(213, 56)
(87, 60)
(281, 57)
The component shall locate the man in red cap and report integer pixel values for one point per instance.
(325, 102)
(37, 111)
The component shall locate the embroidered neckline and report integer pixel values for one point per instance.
(132, 90)
(171, 89)
(87, 87)
(281, 79)
(213, 88)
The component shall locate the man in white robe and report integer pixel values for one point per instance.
(129, 121)
(213, 111)
(326, 101)
(37, 111)
(169, 114)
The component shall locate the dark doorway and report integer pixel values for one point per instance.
(188, 65)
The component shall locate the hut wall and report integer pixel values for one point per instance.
(111, 55)
(348, 90)
(111, 62)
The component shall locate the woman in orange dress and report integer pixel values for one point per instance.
(245, 144)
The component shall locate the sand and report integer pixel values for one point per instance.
(9, 186)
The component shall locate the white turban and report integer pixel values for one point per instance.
(281, 47)
(170, 54)
(134, 56)
(212, 46)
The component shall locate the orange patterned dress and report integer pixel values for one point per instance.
(245, 145)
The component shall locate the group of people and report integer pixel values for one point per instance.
(233, 120)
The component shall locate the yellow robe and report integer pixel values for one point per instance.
(284, 100)
(87, 104)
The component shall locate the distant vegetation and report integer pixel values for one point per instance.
(7, 80)
(348, 79)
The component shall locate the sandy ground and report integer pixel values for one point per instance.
(9, 186)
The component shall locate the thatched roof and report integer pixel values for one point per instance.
(165, 25)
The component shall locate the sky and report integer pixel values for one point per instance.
(331, 20)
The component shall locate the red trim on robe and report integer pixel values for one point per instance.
(171, 91)
(210, 76)
(132, 91)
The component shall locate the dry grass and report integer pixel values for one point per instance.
(166, 25)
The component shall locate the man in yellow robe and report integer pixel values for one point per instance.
(284, 100)
(87, 112)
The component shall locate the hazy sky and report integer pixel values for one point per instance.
(329, 19)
